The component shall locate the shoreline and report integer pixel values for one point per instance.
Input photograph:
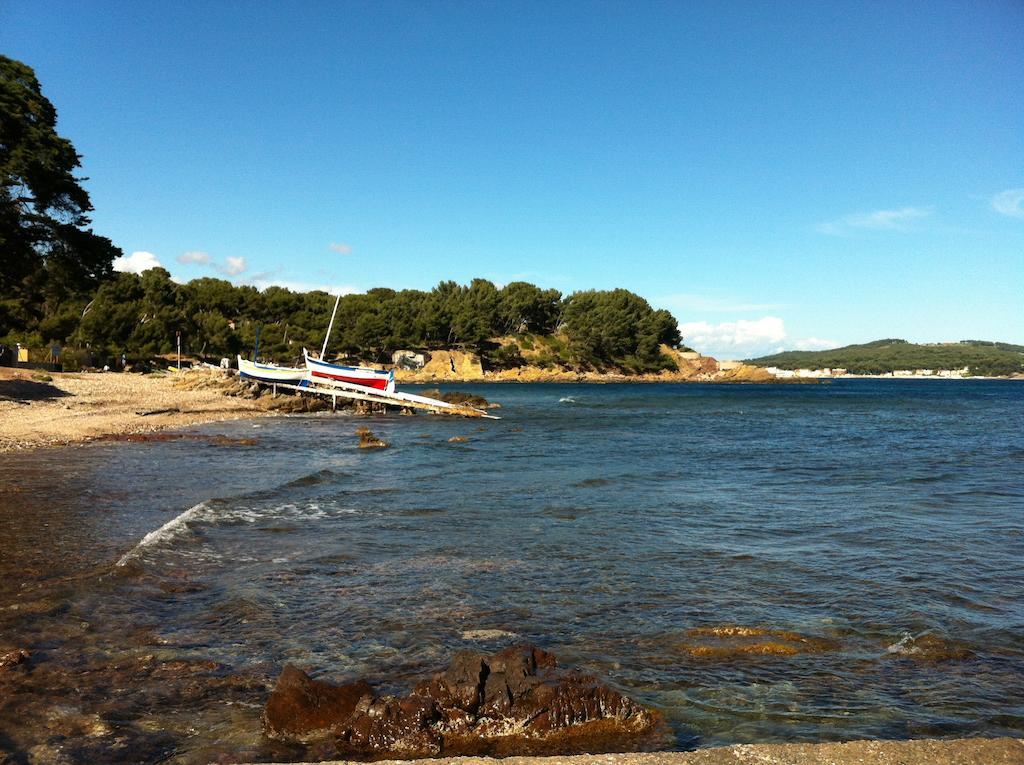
(60, 408)
(927, 751)
(40, 410)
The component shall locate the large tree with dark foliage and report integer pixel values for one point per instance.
(50, 260)
(603, 326)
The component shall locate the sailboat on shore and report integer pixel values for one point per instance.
(268, 373)
(321, 371)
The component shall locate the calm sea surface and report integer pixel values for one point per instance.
(760, 563)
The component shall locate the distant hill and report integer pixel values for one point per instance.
(981, 357)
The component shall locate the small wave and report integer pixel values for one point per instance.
(173, 528)
(312, 479)
(567, 400)
(241, 515)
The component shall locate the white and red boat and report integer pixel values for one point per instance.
(322, 371)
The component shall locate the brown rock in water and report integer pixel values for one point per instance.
(14, 658)
(367, 440)
(513, 702)
(302, 708)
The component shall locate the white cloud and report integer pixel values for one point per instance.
(340, 247)
(815, 344)
(137, 262)
(746, 338)
(231, 266)
(879, 220)
(681, 303)
(743, 338)
(194, 256)
(1009, 202)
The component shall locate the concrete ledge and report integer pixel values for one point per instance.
(964, 751)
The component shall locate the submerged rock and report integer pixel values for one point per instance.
(14, 658)
(367, 440)
(301, 708)
(515, 701)
(733, 640)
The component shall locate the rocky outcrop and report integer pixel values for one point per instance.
(302, 708)
(457, 366)
(445, 365)
(516, 701)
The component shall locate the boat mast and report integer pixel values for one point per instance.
(330, 326)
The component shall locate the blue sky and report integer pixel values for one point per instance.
(777, 174)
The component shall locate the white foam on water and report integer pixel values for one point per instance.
(567, 400)
(904, 646)
(242, 514)
(173, 528)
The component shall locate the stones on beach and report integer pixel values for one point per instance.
(367, 439)
(515, 701)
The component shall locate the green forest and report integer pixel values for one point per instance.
(881, 356)
(139, 315)
(57, 285)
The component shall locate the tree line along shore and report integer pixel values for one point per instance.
(141, 316)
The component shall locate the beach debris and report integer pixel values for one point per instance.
(367, 439)
(515, 701)
(169, 410)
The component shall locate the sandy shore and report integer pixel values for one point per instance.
(72, 407)
(965, 751)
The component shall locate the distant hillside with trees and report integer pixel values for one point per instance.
(980, 357)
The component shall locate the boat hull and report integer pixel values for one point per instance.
(269, 373)
(377, 379)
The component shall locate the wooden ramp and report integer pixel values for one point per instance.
(336, 389)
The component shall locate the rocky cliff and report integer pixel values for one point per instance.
(460, 366)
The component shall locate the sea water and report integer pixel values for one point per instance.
(759, 563)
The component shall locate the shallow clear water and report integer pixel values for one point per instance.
(869, 533)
